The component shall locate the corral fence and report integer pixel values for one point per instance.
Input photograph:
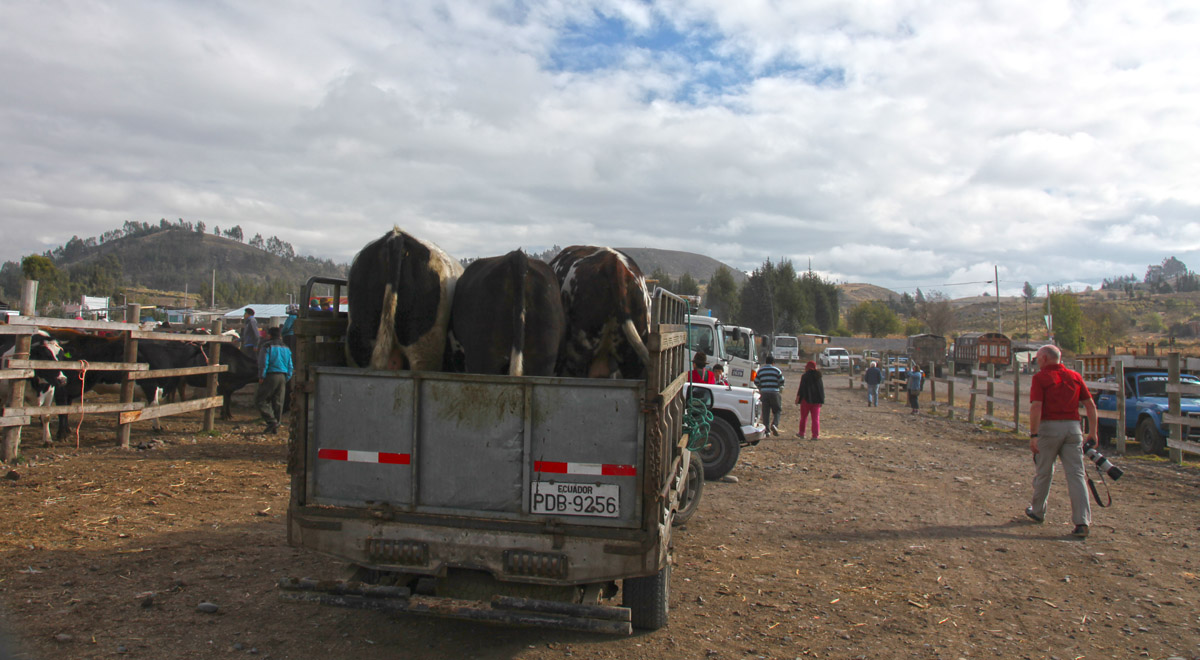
(18, 368)
(1000, 396)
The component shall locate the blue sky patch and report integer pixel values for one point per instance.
(608, 43)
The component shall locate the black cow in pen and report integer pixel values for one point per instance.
(507, 317)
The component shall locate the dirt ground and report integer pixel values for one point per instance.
(893, 536)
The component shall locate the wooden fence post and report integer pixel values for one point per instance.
(11, 447)
(1174, 408)
(974, 387)
(127, 383)
(1120, 435)
(991, 391)
(950, 396)
(1016, 395)
(214, 358)
(931, 376)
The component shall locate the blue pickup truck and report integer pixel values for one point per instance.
(1145, 403)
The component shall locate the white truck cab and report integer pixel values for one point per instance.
(741, 355)
(785, 348)
(732, 346)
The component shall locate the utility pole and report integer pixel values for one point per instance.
(213, 303)
(1049, 317)
(996, 276)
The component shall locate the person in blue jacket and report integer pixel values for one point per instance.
(274, 371)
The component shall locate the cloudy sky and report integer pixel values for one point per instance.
(905, 144)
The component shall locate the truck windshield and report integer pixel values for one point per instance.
(737, 346)
(1156, 386)
(700, 338)
(785, 342)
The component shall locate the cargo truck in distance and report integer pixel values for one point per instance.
(521, 500)
(785, 348)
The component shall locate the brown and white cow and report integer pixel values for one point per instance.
(400, 291)
(608, 313)
(507, 317)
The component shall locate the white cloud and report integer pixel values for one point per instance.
(903, 144)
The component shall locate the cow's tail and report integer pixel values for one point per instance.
(635, 340)
(516, 361)
(385, 334)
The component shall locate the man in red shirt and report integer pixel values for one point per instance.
(1054, 398)
(699, 374)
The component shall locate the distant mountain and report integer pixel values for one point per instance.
(852, 294)
(676, 263)
(177, 260)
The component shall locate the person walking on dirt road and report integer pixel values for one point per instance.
(810, 396)
(916, 383)
(873, 377)
(1054, 397)
(274, 371)
(770, 386)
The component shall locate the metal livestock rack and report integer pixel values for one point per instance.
(14, 414)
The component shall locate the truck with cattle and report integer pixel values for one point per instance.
(528, 500)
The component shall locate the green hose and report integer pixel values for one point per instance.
(697, 417)
(696, 421)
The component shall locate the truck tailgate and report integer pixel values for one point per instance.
(522, 449)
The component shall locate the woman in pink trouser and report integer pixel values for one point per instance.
(810, 396)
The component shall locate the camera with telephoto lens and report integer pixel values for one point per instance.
(1102, 464)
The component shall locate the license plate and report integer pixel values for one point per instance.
(575, 499)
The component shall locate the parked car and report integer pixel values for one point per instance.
(896, 367)
(1145, 403)
(835, 358)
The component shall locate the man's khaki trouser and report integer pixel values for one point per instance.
(1062, 439)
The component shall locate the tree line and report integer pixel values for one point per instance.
(105, 265)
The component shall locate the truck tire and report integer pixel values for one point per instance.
(1151, 441)
(721, 453)
(647, 599)
(691, 494)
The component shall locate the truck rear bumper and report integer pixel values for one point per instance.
(499, 609)
(557, 556)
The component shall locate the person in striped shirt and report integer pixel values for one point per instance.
(770, 386)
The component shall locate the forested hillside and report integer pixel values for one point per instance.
(174, 257)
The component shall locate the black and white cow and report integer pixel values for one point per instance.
(507, 317)
(608, 313)
(46, 385)
(400, 292)
(156, 354)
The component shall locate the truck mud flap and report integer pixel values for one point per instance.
(501, 609)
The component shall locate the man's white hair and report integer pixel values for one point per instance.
(873, 363)
(1052, 352)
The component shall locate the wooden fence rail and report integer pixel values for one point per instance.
(18, 368)
(982, 390)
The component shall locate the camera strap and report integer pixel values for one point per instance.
(1095, 494)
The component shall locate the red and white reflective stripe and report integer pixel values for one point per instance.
(355, 456)
(602, 469)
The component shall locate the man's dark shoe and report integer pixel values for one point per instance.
(270, 429)
(1080, 530)
(1035, 517)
